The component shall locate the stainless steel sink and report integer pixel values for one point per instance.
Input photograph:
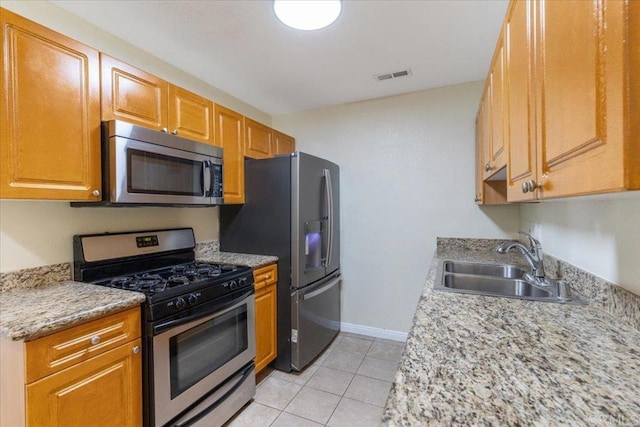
(481, 269)
(484, 285)
(499, 280)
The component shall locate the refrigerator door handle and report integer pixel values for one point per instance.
(322, 290)
(329, 192)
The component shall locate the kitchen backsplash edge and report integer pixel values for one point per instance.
(615, 300)
(35, 276)
(56, 273)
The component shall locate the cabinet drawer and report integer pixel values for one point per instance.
(265, 276)
(55, 352)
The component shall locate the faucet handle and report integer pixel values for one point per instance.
(536, 246)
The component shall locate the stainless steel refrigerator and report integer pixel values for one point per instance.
(292, 210)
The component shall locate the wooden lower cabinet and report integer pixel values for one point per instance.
(106, 390)
(88, 375)
(266, 279)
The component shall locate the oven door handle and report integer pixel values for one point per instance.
(164, 326)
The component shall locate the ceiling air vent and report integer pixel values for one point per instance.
(393, 75)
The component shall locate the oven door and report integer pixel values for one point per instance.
(193, 358)
(141, 172)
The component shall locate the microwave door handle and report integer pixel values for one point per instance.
(206, 178)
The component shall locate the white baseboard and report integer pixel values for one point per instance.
(373, 332)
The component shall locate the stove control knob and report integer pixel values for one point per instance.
(233, 285)
(242, 281)
(180, 303)
(192, 299)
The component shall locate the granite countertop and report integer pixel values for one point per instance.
(31, 312)
(477, 360)
(43, 300)
(249, 260)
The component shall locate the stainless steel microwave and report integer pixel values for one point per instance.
(141, 166)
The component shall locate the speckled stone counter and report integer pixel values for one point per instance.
(209, 251)
(31, 312)
(476, 360)
(249, 260)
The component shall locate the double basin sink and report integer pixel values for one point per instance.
(499, 280)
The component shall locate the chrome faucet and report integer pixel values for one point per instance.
(534, 255)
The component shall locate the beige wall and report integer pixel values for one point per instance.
(35, 233)
(407, 176)
(600, 234)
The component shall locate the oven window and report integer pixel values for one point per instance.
(201, 350)
(153, 173)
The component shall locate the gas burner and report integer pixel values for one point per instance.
(126, 282)
(177, 280)
(150, 283)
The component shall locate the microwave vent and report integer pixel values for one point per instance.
(393, 75)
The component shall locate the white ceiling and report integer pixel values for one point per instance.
(241, 48)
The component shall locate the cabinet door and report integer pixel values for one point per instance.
(479, 165)
(520, 117)
(581, 97)
(103, 391)
(229, 127)
(285, 144)
(485, 131)
(133, 95)
(190, 115)
(266, 315)
(258, 142)
(633, 97)
(49, 114)
(497, 151)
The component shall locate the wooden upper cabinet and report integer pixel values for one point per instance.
(133, 95)
(258, 140)
(479, 176)
(284, 143)
(584, 79)
(485, 132)
(632, 104)
(190, 115)
(519, 111)
(229, 128)
(49, 114)
(497, 152)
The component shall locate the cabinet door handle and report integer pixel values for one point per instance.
(175, 132)
(525, 187)
(136, 349)
(267, 276)
(487, 167)
(95, 339)
(96, 193)
(164, 130)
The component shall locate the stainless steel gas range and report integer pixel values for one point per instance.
(198, 325)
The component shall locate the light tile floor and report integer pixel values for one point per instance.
(347, 385)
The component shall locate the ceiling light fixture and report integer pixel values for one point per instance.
(307, 14)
